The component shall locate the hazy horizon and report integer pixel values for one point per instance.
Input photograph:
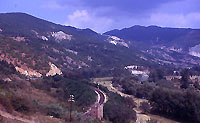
(102, 16)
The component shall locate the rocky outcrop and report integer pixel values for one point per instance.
(61, 36)
(39, 36)
(28, 72)
(53, 70)
(44, 38)
(19, 39)
(117, 41)
(194, 51)
(71, 51)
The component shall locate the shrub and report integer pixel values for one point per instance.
(6, 68)
(5, 102)
(117, 111)
(152, 121)
(145, 107)
(21, 105)
(55, 110)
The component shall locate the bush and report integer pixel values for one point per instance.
(6, 68)
(55, 110)
(129, 102)
(5, 102)
(11, 101)
(21, 105)
(145, 107)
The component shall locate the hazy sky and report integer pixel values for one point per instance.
(104, 15)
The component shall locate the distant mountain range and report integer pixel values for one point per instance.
(175, 46)
(154, 35)
(34, 45)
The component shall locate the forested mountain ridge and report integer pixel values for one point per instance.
(67, 47)
(172, 46)
(154, 35)
(71, 49)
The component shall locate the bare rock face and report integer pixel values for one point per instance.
(19, 39)
(28, 72)
(194, 51)
(53, 70)
(59, 36)
(90, 58)
(39, 36)
(71, 51)
(117, 41)
(44, 38)
(7, 80)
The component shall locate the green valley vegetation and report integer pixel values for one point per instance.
(118, 109)
(179, 103)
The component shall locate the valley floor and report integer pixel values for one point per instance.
(141, 118)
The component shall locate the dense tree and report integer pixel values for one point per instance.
(80, 88)
(145, 107)
(117, 111)
(165, 99)
(183, 105)
(185, 78)
(6, 68)
(156, 75)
